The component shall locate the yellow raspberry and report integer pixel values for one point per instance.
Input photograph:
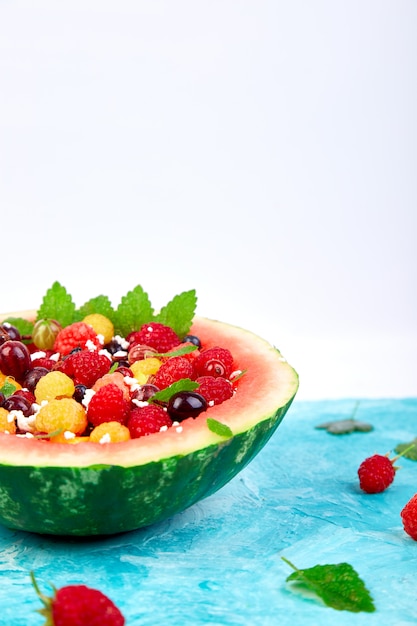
(145, 368)
(101, 324)
(110, 432)
(7, 423)
(65, 414)
(52, 385)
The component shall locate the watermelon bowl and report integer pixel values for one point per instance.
(93, 489)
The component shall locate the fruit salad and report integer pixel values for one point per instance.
(71, 376)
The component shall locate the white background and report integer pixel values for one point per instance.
(261, 152)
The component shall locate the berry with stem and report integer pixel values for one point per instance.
(377, 472)
(78, 605)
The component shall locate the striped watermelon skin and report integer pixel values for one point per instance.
(89, 489)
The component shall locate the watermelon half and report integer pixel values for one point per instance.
(99, 489)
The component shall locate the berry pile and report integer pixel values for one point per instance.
(82, 382)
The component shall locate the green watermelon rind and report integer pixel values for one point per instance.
(86, 500)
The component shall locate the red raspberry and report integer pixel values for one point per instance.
(147, 419)
(174, 369)
(84, 367)
(75, 336)
(44, 361)
(108, 405)
(409, 517)
(214, 362)
(155, 335)
(376, 473)
(78, 605)
(214, 390)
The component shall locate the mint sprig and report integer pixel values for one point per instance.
(99, 304)
(134, 310)
(338, 586)
(408, 450)
(8, 388)
(179, 312)
(223, 430)
(57, 304)
(184, 384)
(177, 352)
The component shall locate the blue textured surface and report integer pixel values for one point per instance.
(219, 561)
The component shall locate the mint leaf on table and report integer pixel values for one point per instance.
(57, 304)
(179, 312)
(223, 430)
(347, 425)
(133, 311)
(408, 450)
(184, 384)
(99, 304)
(338, 586)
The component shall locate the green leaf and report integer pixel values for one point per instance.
(179, 312)
(338, 586)
(23, 326)
(133, 311)
(218, 428)
(99, 304)
(345, 426)
(408, 450)
(8, 388)
(178, 352)
(185, 384)
(57, 304)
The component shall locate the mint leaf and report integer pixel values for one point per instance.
(57, 304)
(23, 326)
(408, 450)
(338, 586)
(179, 312)
(345, 426)
(99, 304)
(178, 352)
(218, 428)
(185, 384)
(8, 388)
(133, 311)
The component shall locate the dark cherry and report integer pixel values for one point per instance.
(113, 346)
(14, 359)
(12, 331)
(79, 393)
(25, 393)
(192, 339)
(33, 376)
(145, 392)
(4, 335)
(2, 398)
(18, 403)
(186, 404)
(124, 369)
